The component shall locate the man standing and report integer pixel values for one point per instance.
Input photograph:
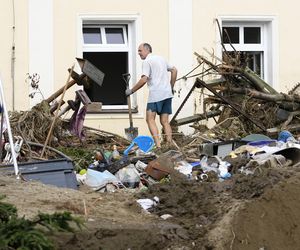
(155, 72)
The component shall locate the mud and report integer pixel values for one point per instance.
(244, 212)
(270, 222)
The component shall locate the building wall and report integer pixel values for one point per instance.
(153, 28)
(175, 28)
(13, 71)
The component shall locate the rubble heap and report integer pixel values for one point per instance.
(240, 101)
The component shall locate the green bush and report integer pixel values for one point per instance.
(23, 234)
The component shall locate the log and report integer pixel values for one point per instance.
(264, 96)
(256, 80)
(287, 102)
(195, 118)
(251, 76)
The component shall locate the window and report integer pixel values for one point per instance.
(252, 35)
(104, 35)
(92, 35)
(247, 38)
(106, 46)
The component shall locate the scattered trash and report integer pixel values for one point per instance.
(148, 203)
(129, 176)
(145, 143)
(98, 180)
(285, 136)
(185, 168)
(140, 166)
(115, 153)
(156, 170)
(166, 216)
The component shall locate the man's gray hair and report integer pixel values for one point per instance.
(148, 47)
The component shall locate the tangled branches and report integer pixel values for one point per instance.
(33, 125)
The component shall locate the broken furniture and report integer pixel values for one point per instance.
(90, 75)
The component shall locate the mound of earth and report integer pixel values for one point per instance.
(245, 212)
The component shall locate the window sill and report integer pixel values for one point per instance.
(113, 111)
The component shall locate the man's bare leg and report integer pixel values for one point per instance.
(150, 119)
(164, 120)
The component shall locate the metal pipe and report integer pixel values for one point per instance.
(11, 143)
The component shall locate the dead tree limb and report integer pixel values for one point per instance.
(259, 83)
(287, 102)
(232, 105)
(279, 97)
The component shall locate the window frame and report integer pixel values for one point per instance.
(94, 47)
(249, 47)
(242, 46)
(269, 38)
(132, 22)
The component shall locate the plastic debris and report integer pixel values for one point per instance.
(115, 153)
(148, 203)
(166, 216)
(97, 180)
(129, 176)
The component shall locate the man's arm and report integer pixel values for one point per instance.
(137, 86)
(173, 76)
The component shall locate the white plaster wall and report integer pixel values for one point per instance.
(14, 13)
(181, 49)
(40, 35)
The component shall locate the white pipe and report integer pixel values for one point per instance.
(13, 55)
(11, 143)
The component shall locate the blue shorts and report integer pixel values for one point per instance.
(161, 107)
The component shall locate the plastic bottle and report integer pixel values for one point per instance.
(98, 156)
(115, 153)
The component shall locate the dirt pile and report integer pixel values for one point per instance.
(244, 212)
(224, 215)
(270, 222)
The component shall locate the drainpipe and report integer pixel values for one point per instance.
(13, 57)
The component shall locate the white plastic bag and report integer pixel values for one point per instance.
(129, 176)
(97, 180)
(148, 203)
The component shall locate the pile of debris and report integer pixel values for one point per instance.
(33, 127)
(42, 133)
(240, 101)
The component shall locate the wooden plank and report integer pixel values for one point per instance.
(197, 117)
(91, 71)
(94, 107)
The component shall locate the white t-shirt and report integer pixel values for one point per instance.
(156, 69)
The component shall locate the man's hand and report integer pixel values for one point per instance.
(128, 92)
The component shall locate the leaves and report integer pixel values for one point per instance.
(6, 211)
(24, 234)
